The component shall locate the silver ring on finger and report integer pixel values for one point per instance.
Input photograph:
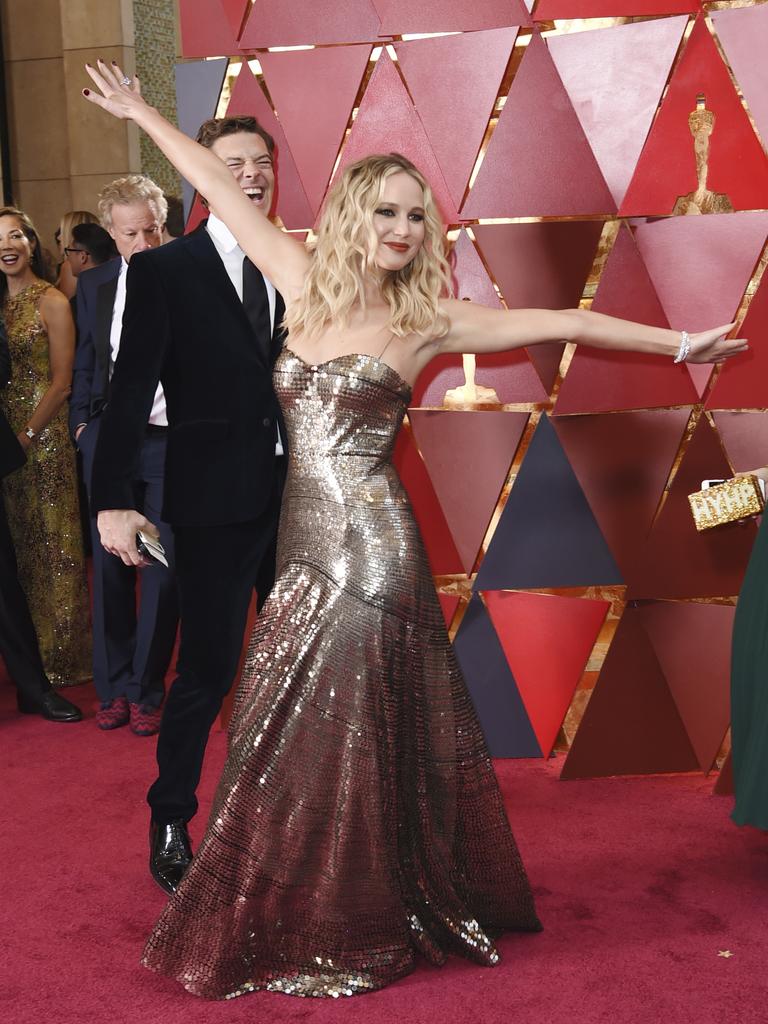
(125, 80)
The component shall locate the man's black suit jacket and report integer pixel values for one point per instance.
(185, 326)
(96, 291)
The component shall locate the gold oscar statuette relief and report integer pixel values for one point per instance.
(701, 201)
(470, 394)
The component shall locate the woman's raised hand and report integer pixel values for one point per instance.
(712, 346)
(120, 94)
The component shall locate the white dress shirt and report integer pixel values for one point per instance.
(232, 257)
(157, 417)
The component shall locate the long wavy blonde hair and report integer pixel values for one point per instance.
(345, 255)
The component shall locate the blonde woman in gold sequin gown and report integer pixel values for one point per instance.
(358, 821)
(41, 498)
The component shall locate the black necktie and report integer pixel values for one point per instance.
(256, 306)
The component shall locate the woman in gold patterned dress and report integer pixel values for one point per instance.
(41, 499)
(358, 821)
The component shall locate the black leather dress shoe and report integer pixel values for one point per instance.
(169, 853)
(50, 705)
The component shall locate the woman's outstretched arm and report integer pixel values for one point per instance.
(476, 328)
(281, 258)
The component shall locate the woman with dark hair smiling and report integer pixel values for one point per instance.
(41, 498)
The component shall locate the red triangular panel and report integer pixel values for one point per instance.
(236, 11)
(387, 122)
(298, 23)
(693, 644)
(599, 381)
(547, 642)
(679, 562)
(743, 381)
(198, 213)
(208, 27)
(631, 725)
(454, 80)
(743, 34)
(538, 161)
(548, 10)
(540, 266)
(470, 278)
(468, 455)
(441, 551)
(622, 463)
(399, 17)
(314, 120)
(292, 206)
(449, 603)
(745, 438)
(615, 77)
(700, 267)
(738, 167)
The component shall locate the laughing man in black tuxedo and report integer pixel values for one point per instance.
(205, 323)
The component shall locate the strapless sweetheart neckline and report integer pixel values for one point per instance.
(348, 355)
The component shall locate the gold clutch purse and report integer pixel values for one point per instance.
(739, 498)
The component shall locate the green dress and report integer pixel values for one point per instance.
(749, 690)
(42, 502)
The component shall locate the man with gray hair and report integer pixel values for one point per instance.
(131, 651)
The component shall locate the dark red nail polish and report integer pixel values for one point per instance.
(86, 92)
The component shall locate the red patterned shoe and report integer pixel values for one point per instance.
(145, 720)
(113, 713)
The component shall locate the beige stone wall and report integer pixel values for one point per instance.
(63, 149)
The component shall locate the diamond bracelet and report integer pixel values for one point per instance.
(685, 347)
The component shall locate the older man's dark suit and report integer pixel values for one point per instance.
(185, 326)
(18, 640)
(131, 652)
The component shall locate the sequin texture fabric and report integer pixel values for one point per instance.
(358, 821)
(42, 503)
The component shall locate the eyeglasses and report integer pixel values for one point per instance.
(68, 250)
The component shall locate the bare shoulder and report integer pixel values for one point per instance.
(53, 299)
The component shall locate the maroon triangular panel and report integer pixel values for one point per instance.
(209, 27)
(399, 17)
(700, 267)
(743, 381)
(387, 122)
(548, 10)
(666, 171)
(598, 381)
(546, 672)
(454, 80)
(315, 120)
(724, 784)
(468, 455)
(743, 33)
(615, 77)
(692, 642)
(292, 205)
(631, 725)
(679, 562)
(298, 23)
(540, 266)
(510, 374)
(441, 551)
(745, 438)
(538, 162)
(622, 463)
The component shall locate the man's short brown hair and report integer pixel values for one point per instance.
(217, 127)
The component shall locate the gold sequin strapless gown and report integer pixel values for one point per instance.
(358, 821)
(42, 502)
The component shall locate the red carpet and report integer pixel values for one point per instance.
(640, 883)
